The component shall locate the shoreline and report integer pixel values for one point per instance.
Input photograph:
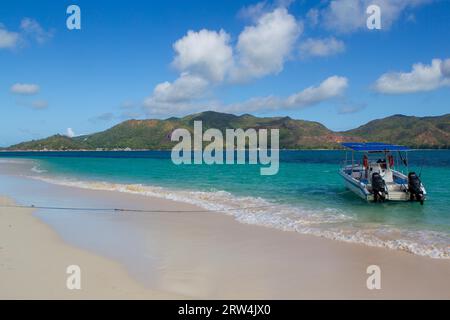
(203, 202)
(169, 150)
(34, 261)
(210, 255)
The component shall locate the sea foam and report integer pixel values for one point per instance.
(329, 223)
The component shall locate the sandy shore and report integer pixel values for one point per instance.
(194, 255)
(33, 262)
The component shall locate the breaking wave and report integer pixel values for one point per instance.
(328, 223)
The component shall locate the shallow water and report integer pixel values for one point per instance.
(306, 196)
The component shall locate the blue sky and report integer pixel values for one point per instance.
(313, 60)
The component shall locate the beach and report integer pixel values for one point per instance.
(34, 260)
(188, 253)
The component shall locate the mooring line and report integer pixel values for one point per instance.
(129, 210)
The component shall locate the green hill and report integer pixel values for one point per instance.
(56, 142)
(154, 134)
(425, 132)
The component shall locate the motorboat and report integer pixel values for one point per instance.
(375, 172)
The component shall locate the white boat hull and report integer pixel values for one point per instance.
(396, 192)
(356, 187)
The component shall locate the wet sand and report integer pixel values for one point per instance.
(34, 261)
(187, 254)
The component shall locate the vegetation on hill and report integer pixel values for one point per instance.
(418, 132)
(154, 134)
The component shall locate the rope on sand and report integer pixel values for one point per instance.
(32, 206)
(128, 210)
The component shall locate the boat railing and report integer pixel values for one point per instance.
(350, 164)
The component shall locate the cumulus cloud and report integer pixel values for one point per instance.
(8, 39)
(321, 47)
(33, 29)
(185, 88)
(24, 88)
(263, 48)
(176, 96)
(70, 133)
(330, 88)
(203, 58)
(421, 78)
(350, 15)
(207, 58)
(204, 53)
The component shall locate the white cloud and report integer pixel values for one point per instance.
(263, 48)
(170, 97)
(70, 133)
(204, 53)
(203, 58)
(350, 15)
(33, 29)
(330, 88)
(206, 58)
(321, 47)
(8, 39)
(186, 87)
(420, 78)
(24, 88)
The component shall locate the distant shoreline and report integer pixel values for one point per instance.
(169, 150)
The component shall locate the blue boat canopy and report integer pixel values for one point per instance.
(374, 146)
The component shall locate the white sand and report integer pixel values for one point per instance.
(33, 262)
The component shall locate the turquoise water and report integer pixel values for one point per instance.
(306, 196)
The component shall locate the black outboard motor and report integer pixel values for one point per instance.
(414, 188)
(378, 187)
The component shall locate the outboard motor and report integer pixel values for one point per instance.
(378, 187)
(414, 188)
